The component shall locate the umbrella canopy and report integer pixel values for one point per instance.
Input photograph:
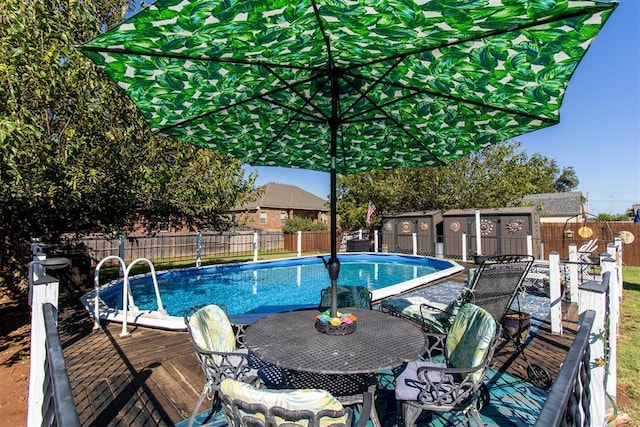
(349, 85)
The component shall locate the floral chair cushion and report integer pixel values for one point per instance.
(412, 307)
(211, 330)
(469, 337)
(314, 400)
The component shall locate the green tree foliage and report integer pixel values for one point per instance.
(567, 180)
(295, 224)
(499, 175)
(75, 153)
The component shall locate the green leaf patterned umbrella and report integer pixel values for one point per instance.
(349, 85)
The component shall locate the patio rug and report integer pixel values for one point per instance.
(514, 402)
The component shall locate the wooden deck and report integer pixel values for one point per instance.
(153, 378)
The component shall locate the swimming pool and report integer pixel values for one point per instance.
(264, 286)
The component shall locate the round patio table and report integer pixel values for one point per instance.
(380, 341)
(345, 365)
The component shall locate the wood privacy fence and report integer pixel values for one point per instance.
(558, 237)
(553, 237)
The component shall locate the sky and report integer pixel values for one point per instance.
(599, 130)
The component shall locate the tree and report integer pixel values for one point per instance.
(567, 180)
(75, 153)
(499, 175)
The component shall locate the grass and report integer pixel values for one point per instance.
(628, 349)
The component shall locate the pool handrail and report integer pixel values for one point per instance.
(96, 284)
(126, 294)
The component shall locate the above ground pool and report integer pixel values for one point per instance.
(264, 286)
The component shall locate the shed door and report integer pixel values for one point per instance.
(488, 235)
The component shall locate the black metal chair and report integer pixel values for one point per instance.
(493, 287)
(215, 344)
(450, 376)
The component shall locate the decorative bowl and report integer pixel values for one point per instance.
(343, 324)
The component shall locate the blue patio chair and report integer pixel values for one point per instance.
(245, 405)
(450, 376)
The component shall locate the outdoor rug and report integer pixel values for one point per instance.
(514, 402)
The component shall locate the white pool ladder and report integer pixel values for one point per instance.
(127, 296)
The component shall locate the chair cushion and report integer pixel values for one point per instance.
(407, 384)
(469, 338)
(306, 399)
(211, 330)
(411, 307)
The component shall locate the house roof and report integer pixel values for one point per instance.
(286, 196)
(557, 204)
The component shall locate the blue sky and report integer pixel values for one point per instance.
(599, 130)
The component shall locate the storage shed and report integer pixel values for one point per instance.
(397, 231)
(503, 231)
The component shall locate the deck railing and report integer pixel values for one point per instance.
(58, 408)
(568, 402)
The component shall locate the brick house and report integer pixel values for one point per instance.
(279, 202)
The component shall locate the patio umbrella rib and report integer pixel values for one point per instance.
(235, 104)
(417, 91)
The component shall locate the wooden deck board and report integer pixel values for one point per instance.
(153, 378)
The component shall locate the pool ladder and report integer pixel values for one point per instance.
(127, 297)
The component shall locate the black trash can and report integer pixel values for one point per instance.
(357, 245)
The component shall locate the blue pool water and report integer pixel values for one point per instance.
(269, 285)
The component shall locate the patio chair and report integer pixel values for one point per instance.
(493, 287)
(450, 376)
(245, 405)
(348, 296)
(215, 344)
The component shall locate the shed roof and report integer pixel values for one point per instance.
(557, 204)
(517, 210)
(286, 196)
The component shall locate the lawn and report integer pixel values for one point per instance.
(628, 349)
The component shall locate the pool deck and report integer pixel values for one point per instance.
(153, 378)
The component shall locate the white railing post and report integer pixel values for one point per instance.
(414, 243)
(42, 290)
(299, 243)
(464, 247)
(375, 240)
(555, 297)
(608, 265)
(529, 245)
(593, 296)
(478, 234)
(360, 234)
(573, 272)
(618, 257)
(255, 246)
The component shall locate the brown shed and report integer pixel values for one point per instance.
(397, 231)
(503, 231)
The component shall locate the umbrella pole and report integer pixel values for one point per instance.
(334, 123)
(334, 264)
